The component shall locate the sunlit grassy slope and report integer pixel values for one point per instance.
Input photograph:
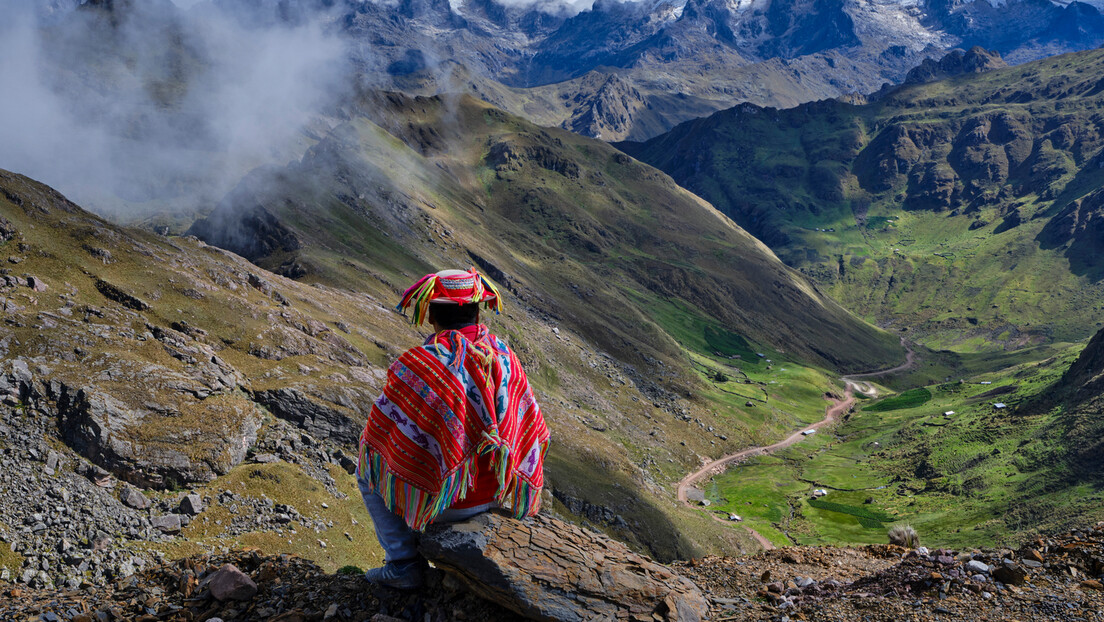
(960, 209)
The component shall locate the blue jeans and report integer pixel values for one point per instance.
(399, 541)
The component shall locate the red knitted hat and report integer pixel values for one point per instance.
(450, 287)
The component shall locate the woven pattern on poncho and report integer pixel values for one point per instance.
(446, 403)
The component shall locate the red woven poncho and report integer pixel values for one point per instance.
(456, 404)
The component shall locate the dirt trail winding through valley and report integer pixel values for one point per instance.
(832, 414)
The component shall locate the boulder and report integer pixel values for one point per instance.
(169, 523)
(132, 498)
(976, 567)
(229, 583)
(1010, 573)
(191, 504)
(546, 569)
(36, 283)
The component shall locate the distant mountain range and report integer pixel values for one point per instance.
(629, 69)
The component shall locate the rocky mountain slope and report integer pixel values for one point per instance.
(963, 208)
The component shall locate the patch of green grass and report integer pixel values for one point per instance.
(869, 514)
(350, 570)
(759, 492)
(909, 399)
(979, 477)
(728, 343)
(9, 559)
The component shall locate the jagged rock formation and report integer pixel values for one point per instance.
(607, 110)
(678, 59)
(710, 52)
(546, 569)
(975, 60)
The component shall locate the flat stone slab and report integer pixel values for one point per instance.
(546, 569)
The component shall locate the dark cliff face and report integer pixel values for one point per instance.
(783, 29)
(799, 27)
(1079, 231)
(1082, 401)
(1086, 376)
(611, 34)
(607, 109)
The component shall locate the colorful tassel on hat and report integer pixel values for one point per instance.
(419, 296)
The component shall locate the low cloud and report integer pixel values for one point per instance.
(147, 107)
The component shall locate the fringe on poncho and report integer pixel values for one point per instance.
(445, 404)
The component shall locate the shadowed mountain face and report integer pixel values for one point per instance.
(1078, 398)
(966, 208)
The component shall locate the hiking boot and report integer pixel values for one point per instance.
(407, 574)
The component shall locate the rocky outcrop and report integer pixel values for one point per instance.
(253, 233)
(506, 156)
(152, 424)
(116, 294)
(318, 419)
(956, 63)
(546, 569)
(7, 230)
(606, 111)
(173, 440)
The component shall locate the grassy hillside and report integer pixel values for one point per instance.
(964, 209)
(149, 355)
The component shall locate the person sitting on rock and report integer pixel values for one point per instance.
(457, 430)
